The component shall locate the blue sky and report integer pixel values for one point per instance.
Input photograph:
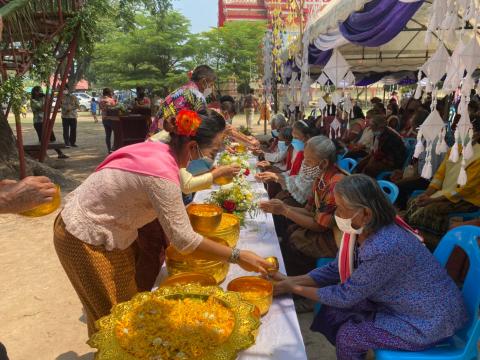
(203, 14)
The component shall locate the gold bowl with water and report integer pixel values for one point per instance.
(204, 218)
(255, 290)
(47, 208)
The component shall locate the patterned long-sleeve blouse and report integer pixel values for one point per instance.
(413, 295)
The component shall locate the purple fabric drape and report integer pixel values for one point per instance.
(379, 22)
(318, 57)
(371, 78)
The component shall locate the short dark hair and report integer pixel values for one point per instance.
(203, 72)
(36, 91)
(303, 128)
(362, 192)
(394, 107)
(107, 92)
(287, 133)
(228, 107)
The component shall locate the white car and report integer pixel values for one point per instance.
(84, 100)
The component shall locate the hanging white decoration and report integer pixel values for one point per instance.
(336, 68)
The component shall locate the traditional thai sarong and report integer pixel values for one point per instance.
(101, 278)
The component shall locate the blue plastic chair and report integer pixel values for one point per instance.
(347, 164)
(321, 262)
(466, 216)
(463, 345)
(390, 189)
(385, 175)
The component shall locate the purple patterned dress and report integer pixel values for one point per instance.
(398, 297)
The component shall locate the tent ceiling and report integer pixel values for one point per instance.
(407, 51)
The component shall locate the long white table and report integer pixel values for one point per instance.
(279, 337)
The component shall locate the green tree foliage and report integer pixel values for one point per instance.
(153, 54)
(234, 49)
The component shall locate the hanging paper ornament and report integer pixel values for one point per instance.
(336, 98)
(335, 126)
(442, 146)
(349, 79)
(471, 55)
(322, 79)
(427, 170)
(454, 153)
(430, 130)
(455, 69)
(336, 68)
(468, 147)
(322, 104)
(462, 176)
(436, 66)
(419, 148)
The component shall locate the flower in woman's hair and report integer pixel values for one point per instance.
(229, 205)
(188, 122)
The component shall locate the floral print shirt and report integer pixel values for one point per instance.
(187, 97)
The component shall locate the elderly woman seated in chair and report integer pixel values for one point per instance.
(308, 232)
(384, 290)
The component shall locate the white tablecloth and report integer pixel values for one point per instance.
(279, 337)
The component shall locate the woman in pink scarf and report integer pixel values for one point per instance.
(95, 233)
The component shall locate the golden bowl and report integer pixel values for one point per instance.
(223, 180)
(255, 290)
(132, 331)
(274, 266)
(47, 208)
(189, 278)
(228, 231)
(179, 264)
(204, 217)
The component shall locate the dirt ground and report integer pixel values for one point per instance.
(40, 315)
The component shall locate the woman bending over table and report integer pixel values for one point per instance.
(384, 290)
(95, 233)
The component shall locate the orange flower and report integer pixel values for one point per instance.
(188, 122)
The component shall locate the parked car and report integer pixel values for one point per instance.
(84, 100)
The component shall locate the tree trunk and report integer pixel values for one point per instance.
(9, 165)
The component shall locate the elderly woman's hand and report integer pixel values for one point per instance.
(423, 200)
(274, 206)
(267, 176)
(284, 286)
(263, 164)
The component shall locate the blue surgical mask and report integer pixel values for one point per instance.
(275, 133)
(200, 166)
(282, 146)
(298, 145)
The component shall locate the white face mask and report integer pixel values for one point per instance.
(345, 225)
(311, 171)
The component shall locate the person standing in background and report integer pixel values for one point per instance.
(249, 105)
(93, 109)
(37, 104)
(107, 101)
(70, 106)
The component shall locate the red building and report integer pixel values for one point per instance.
(234, 10)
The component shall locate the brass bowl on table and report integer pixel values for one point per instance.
(228, 230)
(204, 217)
(274, 265)
(189, 278)
(255, 290)
(178, 264)
(47, 208)
(223, 180)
